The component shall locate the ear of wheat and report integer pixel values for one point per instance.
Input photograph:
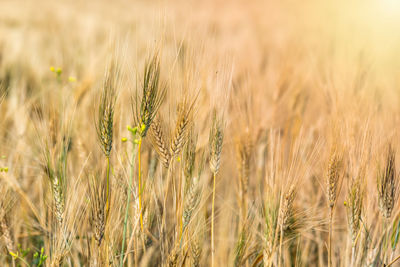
(152, 94)
(179, 137)
(159, 142)
(333, 190)
(98, 195)
(6, 202)
(216, 138)
(105, 119)
(387, 185)
(354, 206)
(215, 141)
(105, 116)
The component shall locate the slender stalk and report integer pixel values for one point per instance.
(164, 215)
(108, 186)
(140, 184)
(212, 222)
(330, 237)
(280, 246)
(353, 254)
(386, 236)
(127, 212)
(393, 261)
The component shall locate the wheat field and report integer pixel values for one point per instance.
(199, 133)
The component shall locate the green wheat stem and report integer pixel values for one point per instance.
(140, 184)
(127, 211)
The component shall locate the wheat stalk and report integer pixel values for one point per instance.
(216, 138)
(333, 188)
(354, 205)
(105, 120)
(387, 185)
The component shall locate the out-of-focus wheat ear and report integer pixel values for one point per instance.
(286, 210)
(333, 178)
(6, 202)
(333, 181)
(58, 199)
(243, 151)
(243, 154)
(387, 185)
(182, 127)
(97, 193)
(159, 141)
(354, 205)
(271, 223)
(5, 231)
(173, 256)
(195, 251)
(216, 139)
(148, 100)
(57, 177)
(241, 246)
(192, 199)
(189, 157)
(286, 214)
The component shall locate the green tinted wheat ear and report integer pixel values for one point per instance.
(215, 141)
(151, 96)
(387, 185)
(105, 117)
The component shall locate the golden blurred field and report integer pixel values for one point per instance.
(199, 133)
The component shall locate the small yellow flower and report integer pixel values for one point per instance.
(71, 79)
(345, 203)
(132, 130)
(5, 169)
(14, 255)
(52, 69)
(124, 139)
